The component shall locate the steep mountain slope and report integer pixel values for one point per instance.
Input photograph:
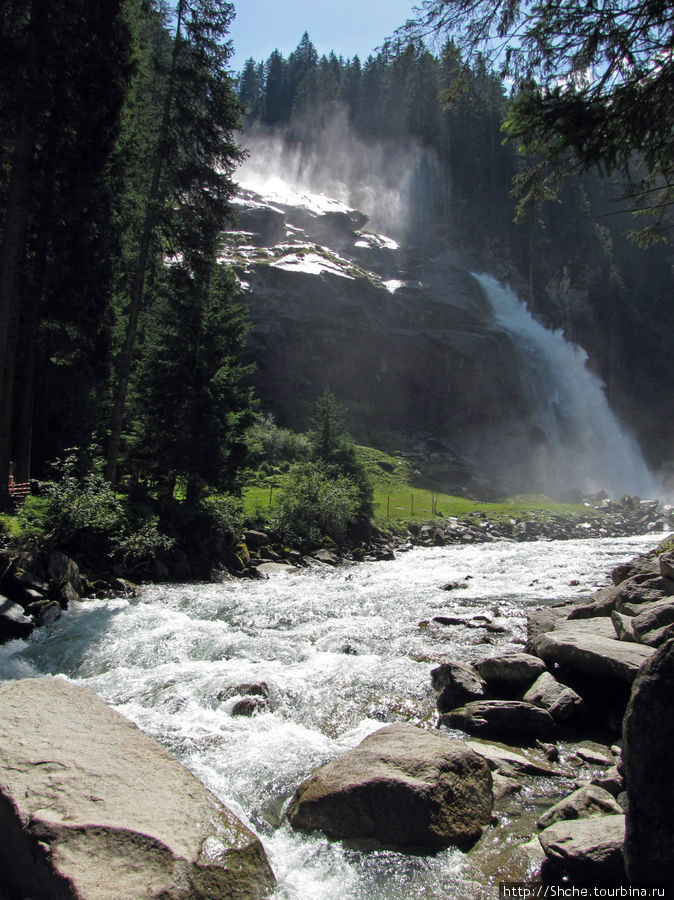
(404, 337)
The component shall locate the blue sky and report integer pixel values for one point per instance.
(348, 27)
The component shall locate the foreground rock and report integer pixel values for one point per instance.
(648, 738)
(510, 673)
(557, 699)
(401, 786)
(587, 850)
(94, 809)
(510, 763)
(14, 623)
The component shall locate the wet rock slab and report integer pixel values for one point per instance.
(501, 718)
(587, 850)
(590, 647)
(92, 808)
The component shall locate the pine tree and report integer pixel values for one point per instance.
(191, 402)
(190, 185)
(334, 447)
(59, 117)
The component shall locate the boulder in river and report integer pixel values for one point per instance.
(14, 623)
(93, 808)
(457, 684)
(548, 693)
(582, 647)
(654, 625)
(510, 673)
(501, 719)
(510, 763)
(589, 800)
(402, 787)
(648, 738)
(587, 850)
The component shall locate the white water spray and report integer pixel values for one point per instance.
(589, 449)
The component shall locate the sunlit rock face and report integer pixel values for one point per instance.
(427, 357)
(401, 335)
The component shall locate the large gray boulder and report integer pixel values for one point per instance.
(556, 698)
(457, 683)
(654, 625)
(93, 809)
(402, 787)
(501, 719)
(587, 850)
(640, 565)
(590, 647)
(511, 763)
(510, 673)
(648, 738)
(588, 800)
(539, 621)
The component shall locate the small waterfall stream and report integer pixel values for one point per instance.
(589, 449)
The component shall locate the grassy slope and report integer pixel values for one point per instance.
(399, 493)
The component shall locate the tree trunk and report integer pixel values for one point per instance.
(12, 255)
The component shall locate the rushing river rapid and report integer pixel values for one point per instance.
(342, 652)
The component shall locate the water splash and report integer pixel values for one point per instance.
(588, 447)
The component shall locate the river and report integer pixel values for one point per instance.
(342, 651)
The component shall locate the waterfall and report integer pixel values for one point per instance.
(588, 447)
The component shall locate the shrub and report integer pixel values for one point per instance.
(139, 547)
(268, 444)
(224, 514)
(72, 505)
(78, 511)
(313, 505)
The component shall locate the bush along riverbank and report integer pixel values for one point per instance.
(581, 719)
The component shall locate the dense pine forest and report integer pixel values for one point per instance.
(116, 174)
(122, 336)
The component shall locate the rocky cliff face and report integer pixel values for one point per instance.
(403, 336)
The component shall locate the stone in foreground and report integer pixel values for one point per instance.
(510, 672)
(93, 809)
(457, 683)
(557, 699)
(587, 850)
(402, 787)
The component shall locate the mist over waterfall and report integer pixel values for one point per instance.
(395, 183)
(588, 449)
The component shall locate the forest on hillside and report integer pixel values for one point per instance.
(122, 335)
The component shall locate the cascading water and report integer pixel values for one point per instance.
(588, 448)
(343, 652)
